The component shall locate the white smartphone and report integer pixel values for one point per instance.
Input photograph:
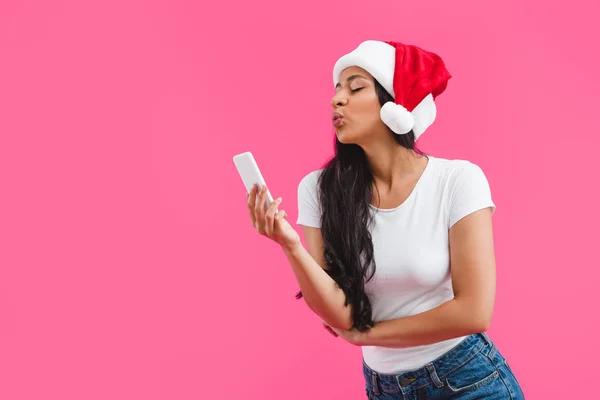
(250, 174)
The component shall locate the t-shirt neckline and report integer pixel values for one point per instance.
(412, 193)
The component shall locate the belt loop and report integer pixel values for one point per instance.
(433, 375)
(486, 338)
(375, 383)
(492, 345)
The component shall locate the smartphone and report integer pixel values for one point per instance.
(250, 173)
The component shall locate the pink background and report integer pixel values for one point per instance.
(128, 266)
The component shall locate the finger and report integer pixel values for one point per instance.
(251, 204)
(259, 209)
(270, 217)
(280, 215)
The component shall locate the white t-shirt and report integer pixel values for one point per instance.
(411, 251)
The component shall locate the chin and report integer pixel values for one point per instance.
(344, 138)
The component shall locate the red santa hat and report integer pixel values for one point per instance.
(412, 76)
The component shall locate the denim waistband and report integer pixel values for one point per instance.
(432, 372)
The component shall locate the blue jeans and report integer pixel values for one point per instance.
(474, 369)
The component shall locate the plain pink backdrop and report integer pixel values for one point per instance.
(128, 266)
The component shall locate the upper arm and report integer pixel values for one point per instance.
(473, 265)
(470, 236)
(315, 245)
(309, 217)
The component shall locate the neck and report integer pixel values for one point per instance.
(391, 163)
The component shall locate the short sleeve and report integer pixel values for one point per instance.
(469, 192)
(309, 213)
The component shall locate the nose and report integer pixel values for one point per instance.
(338, 100)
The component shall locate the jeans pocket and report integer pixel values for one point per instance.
(479, 371)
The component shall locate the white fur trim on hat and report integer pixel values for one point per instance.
(375, 57)
(424, 115)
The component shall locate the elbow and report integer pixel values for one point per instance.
(344, 325)
(347, 324)
(341, 321)
(481, 326)
(480, 322)
(346, 319)
(476, 316)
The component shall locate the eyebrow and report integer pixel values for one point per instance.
(350, 78)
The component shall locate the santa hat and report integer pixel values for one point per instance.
(412, 76)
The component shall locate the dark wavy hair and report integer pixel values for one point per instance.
(344, 191)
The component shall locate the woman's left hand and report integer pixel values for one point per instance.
(352, 336)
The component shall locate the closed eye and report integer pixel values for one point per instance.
(356, 90)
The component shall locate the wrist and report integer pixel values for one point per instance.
(363, 338)
(293, 248)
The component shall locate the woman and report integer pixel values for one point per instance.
(399, 255)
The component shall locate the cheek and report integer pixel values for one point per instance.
(370, 118)
(370, 111)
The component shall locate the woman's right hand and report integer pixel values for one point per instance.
(270, 223)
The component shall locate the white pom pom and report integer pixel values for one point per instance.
(397, 118)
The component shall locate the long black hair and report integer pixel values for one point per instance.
(344, 192)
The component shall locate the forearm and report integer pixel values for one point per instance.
(320, 291)
(449, 320)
